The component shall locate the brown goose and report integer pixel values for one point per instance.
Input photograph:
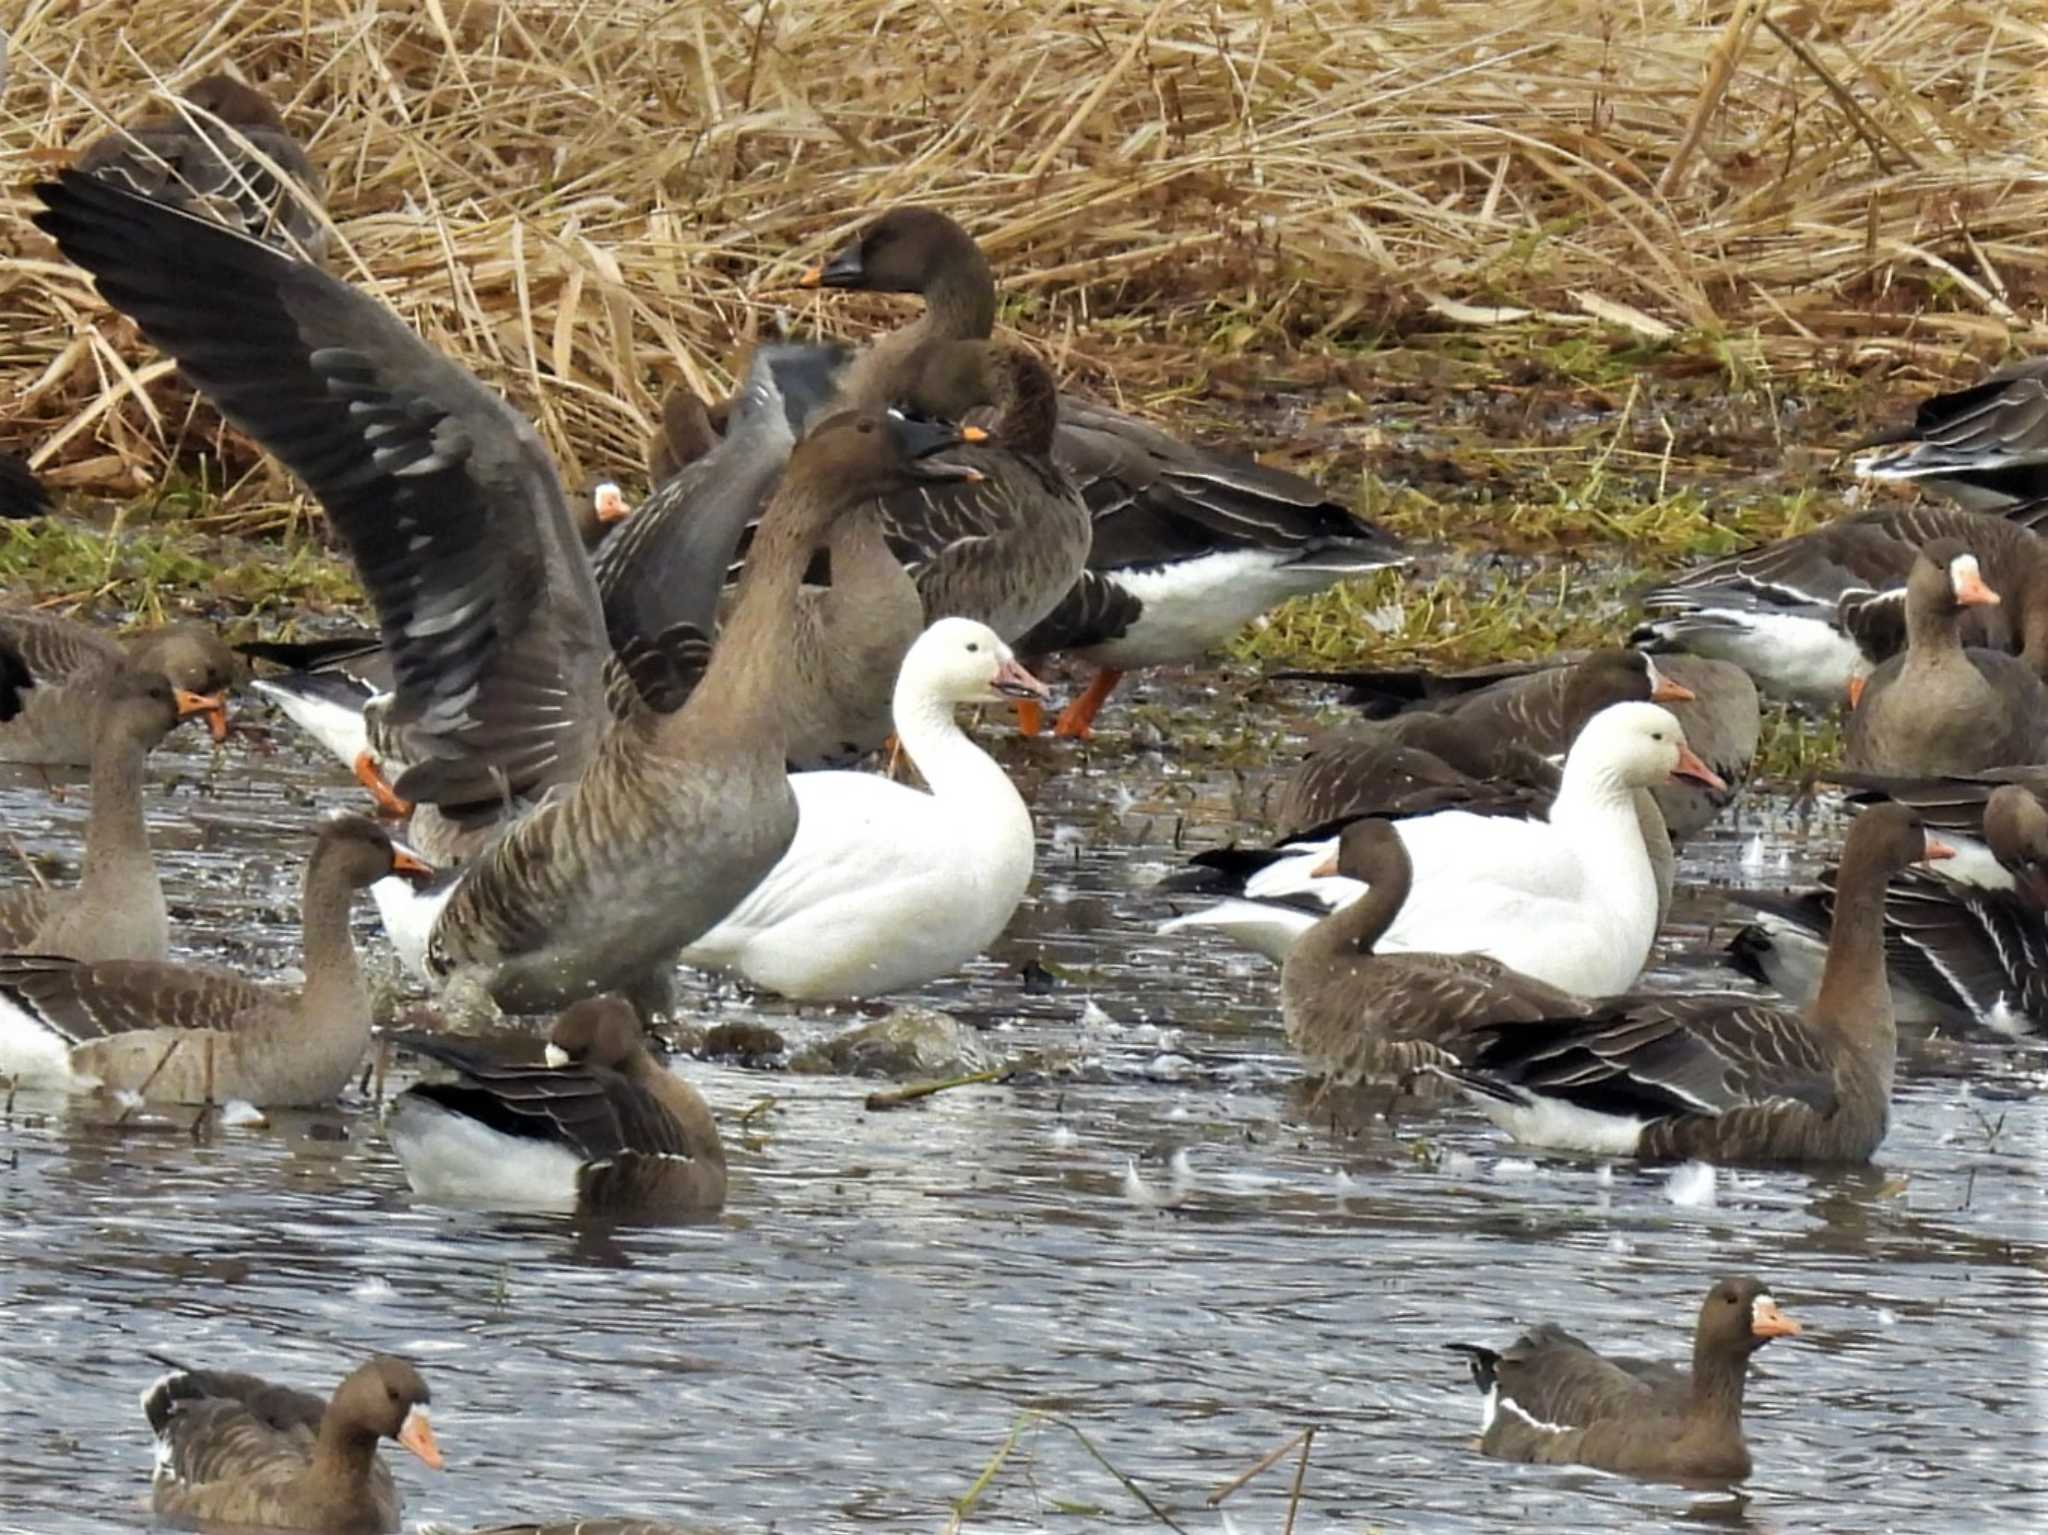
(1808, 616)
(1551, 1400)
(1723, 1078)
(1353, 1015)
(1966, 946)
(1986, 445)
(1189, 544)
(174, 1033)
(686, 435)
(234, 1449)
(602, 1128)
(117, 911)
(1940, 708)
(198, 155)
(67, 658)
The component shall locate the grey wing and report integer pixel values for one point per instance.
(281, 1407)
(1556, 1379)
(195, 161)
(85, 1002)
(212, 1441)
(596, 1113)
(1998, 423)
(56, 649)
(22, 915)
(444, 494)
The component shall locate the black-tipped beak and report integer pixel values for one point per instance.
(1013, 681)
(917, 439)
(842, 269)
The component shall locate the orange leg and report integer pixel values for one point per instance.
(371, 777)
(1078, 718)
(1030, 716)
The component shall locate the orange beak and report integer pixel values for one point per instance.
(813, 278)
(1971, 592)
(1855, 690)
(973, 434)
(1690, 766)
(1325, 869)
(417, 1435)
(1767, 1321)
(611, 505)
(1936, 851)
(411, 866)
(213, 705)
(1668, 692)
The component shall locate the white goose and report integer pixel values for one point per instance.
(886, 887)
(1571, 900)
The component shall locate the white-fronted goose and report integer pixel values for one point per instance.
(1941, 708)
(1552, 1400)
(1808, 616)
(198, 155)
(1987, 445)
(1957, 951)
(1189, 544)
(1571, 900)
(22, 494)
(117, 911)
(1724, 1078)
(234, 1449)
(68, 659)
(173, 1033)
(885, 888)
(1354, 1014)
(600, 1128)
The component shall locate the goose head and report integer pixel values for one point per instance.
(1890, 837)
(1946, 578)
(386, 1398)
(902, 251)
(1739, 1317)
(861, 453)
(1637, 745)
(234, 103)
(959, 661)
(598, 1031)
(366, 852)
(130, 704)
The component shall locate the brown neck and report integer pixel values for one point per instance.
(1029, 406)
(1352, 930)
(334, 979)
(2031, 595)
(1854, 997)
(116, 837)
(1933, 627)
(960, 299)
(344, 1453)
(1718, 1378)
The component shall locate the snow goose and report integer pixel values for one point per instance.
(1987, 445)
(1941, 708)
(1190, 544)
(646, 831)
(1723, 1078)
(117, 911)
(886, 888)
(220, 149)
(601, 1127)
(234, 1449)
(1810, 615)
(68, 659)
(1571, 900)
(176, 1033)
(1967, 945)
(1354, 1014)
(1552, 1400)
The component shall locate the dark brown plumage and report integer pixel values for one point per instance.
(1552, 1400)
(1986, 445)
(234, 1449)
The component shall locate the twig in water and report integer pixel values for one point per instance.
(1308, 1439)
(1266, 1462)
(896, 1097)
(142, 1092)
(759, 1107)
(965, 1503)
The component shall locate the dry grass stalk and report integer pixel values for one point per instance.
(584, 199)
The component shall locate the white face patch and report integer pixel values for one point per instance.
(555, 1056)
(1962, 572)
(1656, 677)
(1761, 1307)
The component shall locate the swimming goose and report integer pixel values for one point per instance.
(69, 659)
(600, 1128)
(234, 1449)
(1987, 445)
(1957, 950)
(1940, 708)
(1353, 1013)
(1552, 1400)
(450, 509)
(117, 911)
(177, 1033)
(199, 155)
(22, 494)
(1723, 1078)
(1571, 900)
(1809, 615)
(1189, 544)
(885, 888)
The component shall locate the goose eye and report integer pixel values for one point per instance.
(973, 647)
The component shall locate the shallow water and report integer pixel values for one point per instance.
(854, 1339)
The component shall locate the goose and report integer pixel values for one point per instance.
(22, 494)
(1571, 900)
(1189, 544)
(1958, 949)
(686, 434)
(1986, 446)
(117, 910)
(646, 832)
(177, 1033)
(220, 148)
(1354, 1014)
(1552, 1400)
(235, 1449)
(1717, 1077)
(68, 660)
(1811, 615)
(1940, 708)
(600, 1128)
(885, 888)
